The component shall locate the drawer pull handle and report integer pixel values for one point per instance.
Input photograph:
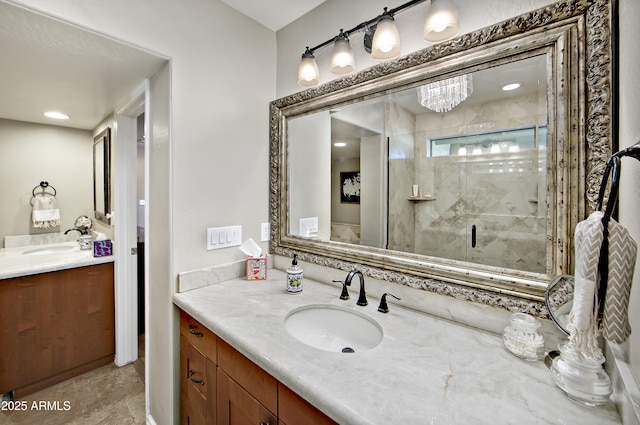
(192, 331)
(195, 381)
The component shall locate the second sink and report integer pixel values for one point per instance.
(333, 328)
(52, 249)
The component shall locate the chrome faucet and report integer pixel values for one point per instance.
(362, 298)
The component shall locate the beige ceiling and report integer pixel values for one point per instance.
(48, 64)
(51, 65)
(274, 14)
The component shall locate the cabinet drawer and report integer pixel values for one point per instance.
(199, 336)
(294, 410)
(194, 368)
(262, 386)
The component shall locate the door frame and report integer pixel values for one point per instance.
(125, 221)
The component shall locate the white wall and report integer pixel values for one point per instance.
(373, 191)
(31, 153)
(310, 177)
(222, 79)
(161, 327)
(629, 134)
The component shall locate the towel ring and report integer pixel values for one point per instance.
(603, 262)
(43, 186)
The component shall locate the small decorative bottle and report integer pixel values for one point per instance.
(294, 277)
(522, 339)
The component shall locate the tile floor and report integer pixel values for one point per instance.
(105, 396)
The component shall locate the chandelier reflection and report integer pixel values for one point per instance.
(444, 95)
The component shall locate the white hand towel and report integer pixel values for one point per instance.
(45, 213)
(582, 324)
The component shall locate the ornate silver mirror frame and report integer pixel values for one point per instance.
(102, 176)
(576, 35)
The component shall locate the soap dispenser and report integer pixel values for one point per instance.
(294, 277)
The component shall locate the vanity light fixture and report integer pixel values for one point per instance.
(56, 115)
(381, 39)
(342, 60)
(441, 22)
(339, 144)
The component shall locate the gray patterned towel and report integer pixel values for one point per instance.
(622, 260)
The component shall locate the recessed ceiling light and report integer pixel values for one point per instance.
(57, 115)
(340, 144)
(511, 86)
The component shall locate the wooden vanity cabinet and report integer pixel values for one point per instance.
(234, 391)
(54, 326)
(198, 380)
(294, 410)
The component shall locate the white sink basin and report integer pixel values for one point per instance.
(333, 328)
(51, 249)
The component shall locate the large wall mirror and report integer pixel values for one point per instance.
(102, 176)
(429, 167)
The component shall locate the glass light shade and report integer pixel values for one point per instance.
(441, 22)
(386, 39)
(308, 73)
(342, 60)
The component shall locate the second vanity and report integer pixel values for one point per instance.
(425, 370)
(57, 316)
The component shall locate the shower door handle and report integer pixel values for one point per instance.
(473, 236)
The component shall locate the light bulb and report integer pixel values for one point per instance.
(386, 39)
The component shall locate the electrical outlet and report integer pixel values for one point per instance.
(224, 237)
(265, 230)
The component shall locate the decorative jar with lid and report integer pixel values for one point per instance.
(582, 378)
(521, 337)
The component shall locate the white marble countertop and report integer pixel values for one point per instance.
(34, 259)
(425, 371)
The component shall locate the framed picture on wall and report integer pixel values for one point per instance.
(350, 187)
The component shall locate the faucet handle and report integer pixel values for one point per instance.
(383, 307)
(345, 294)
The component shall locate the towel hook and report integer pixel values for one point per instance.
(603, 261)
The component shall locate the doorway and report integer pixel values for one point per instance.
(140, 222)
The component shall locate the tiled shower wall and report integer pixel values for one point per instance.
(507, 207)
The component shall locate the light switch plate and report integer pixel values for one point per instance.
(265, 230)
(224, 237)
(308, 226)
